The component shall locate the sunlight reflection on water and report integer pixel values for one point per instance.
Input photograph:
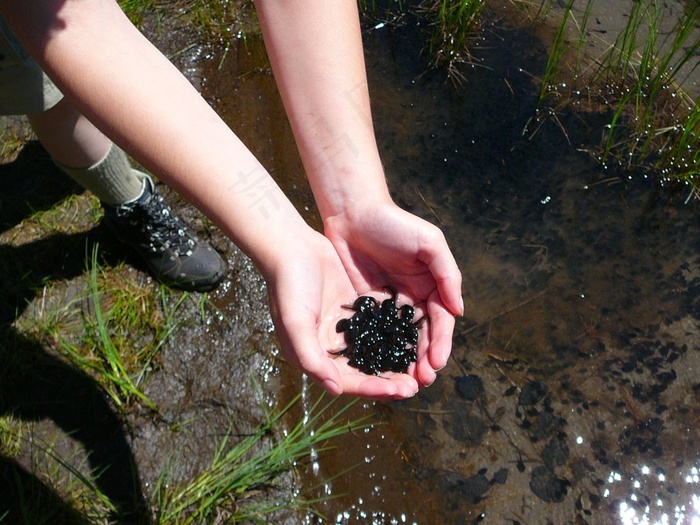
(656, 511)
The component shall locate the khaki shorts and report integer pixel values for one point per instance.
(24, 87)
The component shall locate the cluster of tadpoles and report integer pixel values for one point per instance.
(380, 337)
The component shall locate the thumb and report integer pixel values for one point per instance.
(445, 271)
(303, 350)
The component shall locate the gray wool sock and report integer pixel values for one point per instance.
(112, 180)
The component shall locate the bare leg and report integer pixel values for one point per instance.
(70, 138)
(86, 155)
(134, 210)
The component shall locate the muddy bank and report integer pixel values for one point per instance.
(215, 377)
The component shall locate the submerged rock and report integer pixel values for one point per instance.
(532, 393)
(469, 387)
(474, 487)
(547, 486)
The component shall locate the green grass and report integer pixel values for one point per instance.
(252, 464)
(246, 480)
(213, 20)
(114, 329)
(12, 141)
(109, 338)
(136, 10)
(12, 431)
(58, 492)
(88, 500)
(456, 24)
(560, 51)
(534, 10)
(654, 126)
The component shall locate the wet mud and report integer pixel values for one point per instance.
(214, 379)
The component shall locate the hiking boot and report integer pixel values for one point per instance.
(173, 253)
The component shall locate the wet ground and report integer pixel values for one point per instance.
(572, 395)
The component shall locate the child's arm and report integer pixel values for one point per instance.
(316, 51)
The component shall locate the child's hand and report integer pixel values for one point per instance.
(384, 245)
(307, 292)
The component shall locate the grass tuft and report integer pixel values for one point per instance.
(251, 466)
(654, 125)
(246, 481)
(456, 25)
(112, 345)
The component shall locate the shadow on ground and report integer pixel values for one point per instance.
(35, 385)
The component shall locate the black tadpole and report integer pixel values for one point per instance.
(380, 337)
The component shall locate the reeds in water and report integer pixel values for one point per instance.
(653, 127)
(455, 25)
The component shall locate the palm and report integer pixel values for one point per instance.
(307, 300)
(391, 247)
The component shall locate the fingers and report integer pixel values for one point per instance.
(333, 374)
(448, 278)
(304, 351)
(440, 331)
(391, 386)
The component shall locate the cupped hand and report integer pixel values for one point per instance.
(307, 290)
(382, 245)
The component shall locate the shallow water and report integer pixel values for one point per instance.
(572, 395)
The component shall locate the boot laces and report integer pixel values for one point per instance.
(160, 229)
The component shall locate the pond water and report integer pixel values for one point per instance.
(572, 395)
